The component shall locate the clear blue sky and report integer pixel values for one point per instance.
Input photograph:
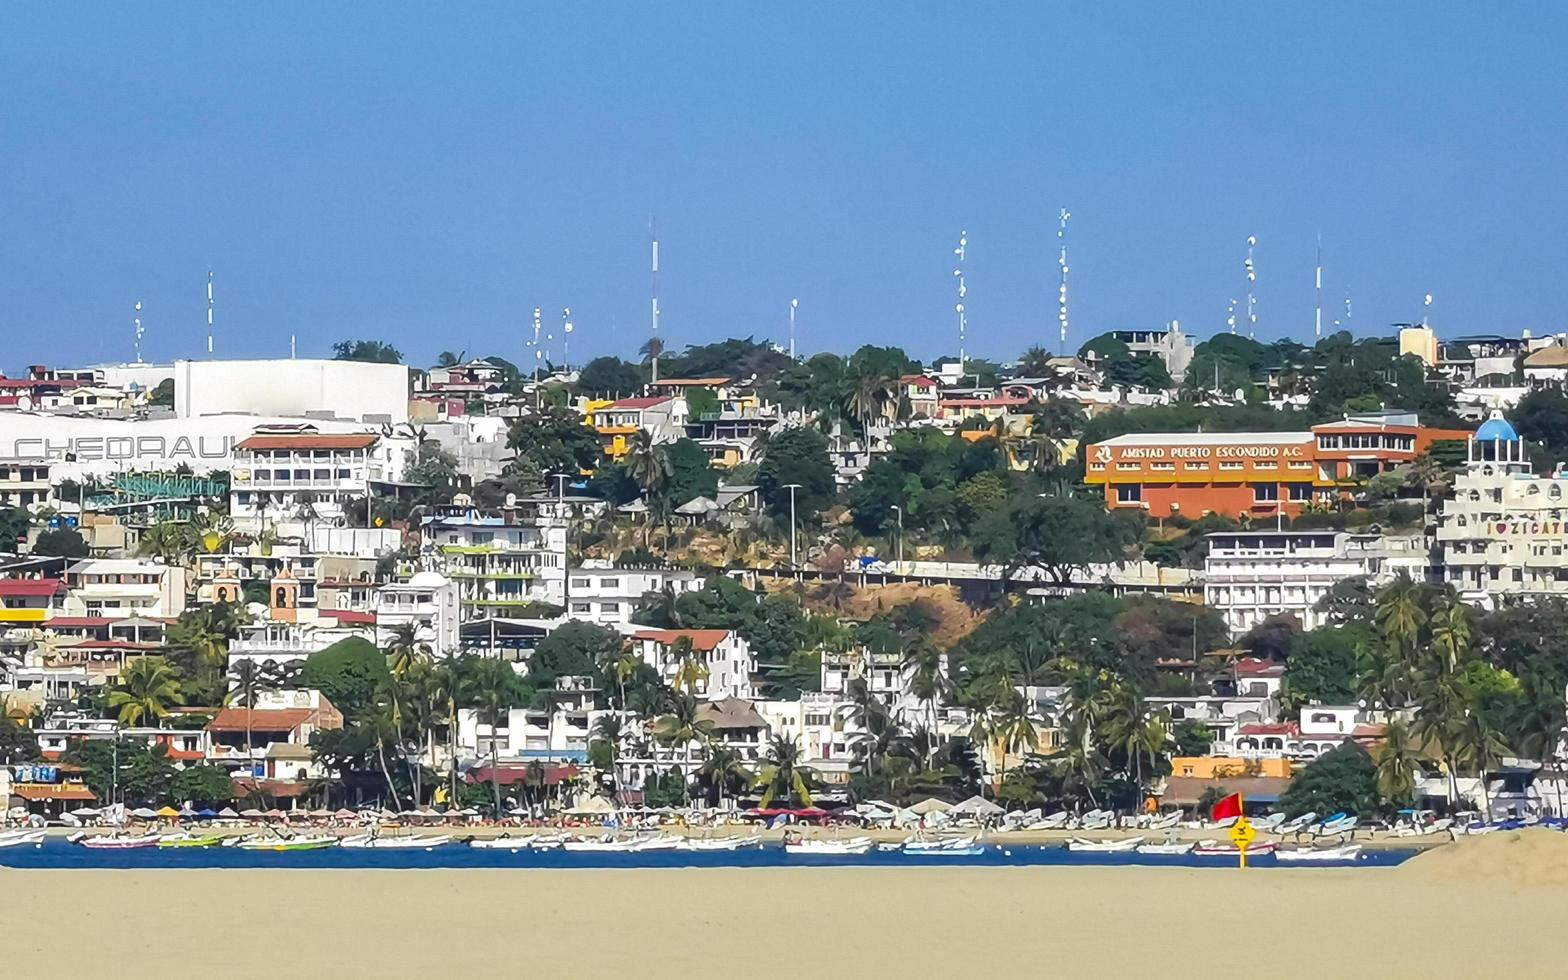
(430, 175)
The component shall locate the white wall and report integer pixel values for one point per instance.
(347, 389)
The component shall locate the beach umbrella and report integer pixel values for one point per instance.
(468, 811)
(320, 814)
(86, 811)
(168, 813)
(518, 811)
(228, 813)
(144, 813)
(186, 811)
(931, 805)
(345, 814)
(205, 814)
(275, 815)
(251, 814)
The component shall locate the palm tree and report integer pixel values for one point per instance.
(690, 669)
(449, 687)
(494, 694)
(1451, 634)
(1400, 614)
(1014, 729)
(723, 770)
(148, 688)
(405, 648)
(868, 398)
(928, 684)
(681, 727)
(1479, 746)
(648, 463)
(651, 352)
(1395, 759)
(784, 773)
(1541, 725)
(250, 681)
(1441, 706)
(610, 729)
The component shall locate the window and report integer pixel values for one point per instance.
(1196, 466)
(609, 583)
(1134, 467)
(1300, 464)
(582, 583)
(1230, 466)
(1265, 492)
(1162, 466)
(1265, 464)
(1129, 493)
(1300, 491)
(582, 607)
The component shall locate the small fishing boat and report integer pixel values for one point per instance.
(410, 843)
(190, 840)
(1213, 848)
(115, 842)
(1165, 847)
(719, 843)
(605, 844)
(288, 843)
(826, 848)
(945, 847)
(1337, 824)
(501, 843)
(1296, 825)
(1165, 822)
(1104, 846)
(1055, 821)
(1348, 852)
(23, 838)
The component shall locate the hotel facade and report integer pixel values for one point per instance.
(1258, 474)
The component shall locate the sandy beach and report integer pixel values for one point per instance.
(1440, 915)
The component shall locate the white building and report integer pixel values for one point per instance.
(301, 476)
(428, 601)
(610, 596)
(293, 387)
(120, 588)
(501, 564)
(25, 483)
(527, 733)
(1249, 576)
(727, 656)
(1502, 532)
(273, 645)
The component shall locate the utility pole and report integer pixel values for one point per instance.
(792, 487)
(794, 305)
(900, 512)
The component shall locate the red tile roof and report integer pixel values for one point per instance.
(1258, 667)
(351, 440)
(346, 615)
(1262, 728)
(701, 640)
(77, 622)
(14, 587)
(260, 719)
(511, 775)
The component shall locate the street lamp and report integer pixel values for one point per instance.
(792, 487)
(900, 512)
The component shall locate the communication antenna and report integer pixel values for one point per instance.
(1426, 308)
(1252, 279)
(137, 320)
(794, 305)
(963, 322)
(1061, 290)
(1230, 317)
(566, 338)
(654, 289)
(1317, 316)
(538, 354)
(209, 312)
(291, 347)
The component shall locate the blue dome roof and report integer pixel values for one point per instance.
(1496, 429)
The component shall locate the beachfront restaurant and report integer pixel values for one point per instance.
(48, 790)
(1258, 793)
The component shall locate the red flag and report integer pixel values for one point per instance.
(1230, 806)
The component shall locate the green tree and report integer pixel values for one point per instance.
(347, 672)
(163, 395)
(798, 456)
(203, 786)
(554, 440)
(14, 522)
(573, 649)
(1397, 766)
(609, 377)
(1343, 779)
(61, 542)
(1057, 534)
(493, 691)
(374, 351)
(148, 688)
(1326, 666)
(783, 774)
(691, 475)
(682, 728)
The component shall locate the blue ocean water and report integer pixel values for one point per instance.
(57, 853)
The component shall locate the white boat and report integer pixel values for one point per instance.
(1348, 852)
(853, 845)
(23, 838)
(948, 847)
(1165, 847)
(1166, 822)
(623, 845)
(1104, 846)
(1096, 820)
(1297, 824)
(1343, 825)
(409, 843)
(1213, 848)
(501, 843)
(270, 843)
(720, 843)
(116, 842)
(1055, 821)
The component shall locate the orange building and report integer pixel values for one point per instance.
(1260, 474)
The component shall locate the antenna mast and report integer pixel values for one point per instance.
(653, 348)
(1317, 316)
(963, 322)
(1252, 278)
(538, 354)
(566, 338)
(794, 305)
(1061, 291)
(209, 312)
(137, 321)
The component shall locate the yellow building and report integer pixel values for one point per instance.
(1420, 341)
(1224, 767)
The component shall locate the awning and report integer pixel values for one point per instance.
(47, 791)
(1188, 790)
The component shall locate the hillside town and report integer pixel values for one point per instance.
(1142, 576)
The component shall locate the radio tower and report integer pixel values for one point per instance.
(1252, 278)
(566, 338)
(963, 322)
(1061, 291)
(1317, 316)
(209, 312)
(137, 321)
(653, 342)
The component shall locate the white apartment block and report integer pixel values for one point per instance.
(300, 476)
(1502, 532)
(121, 588)
(610, 596)
(428, 601)
(24, 483)
(727, 656)
(1249, 576)
(529, 734)
(500, 564)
